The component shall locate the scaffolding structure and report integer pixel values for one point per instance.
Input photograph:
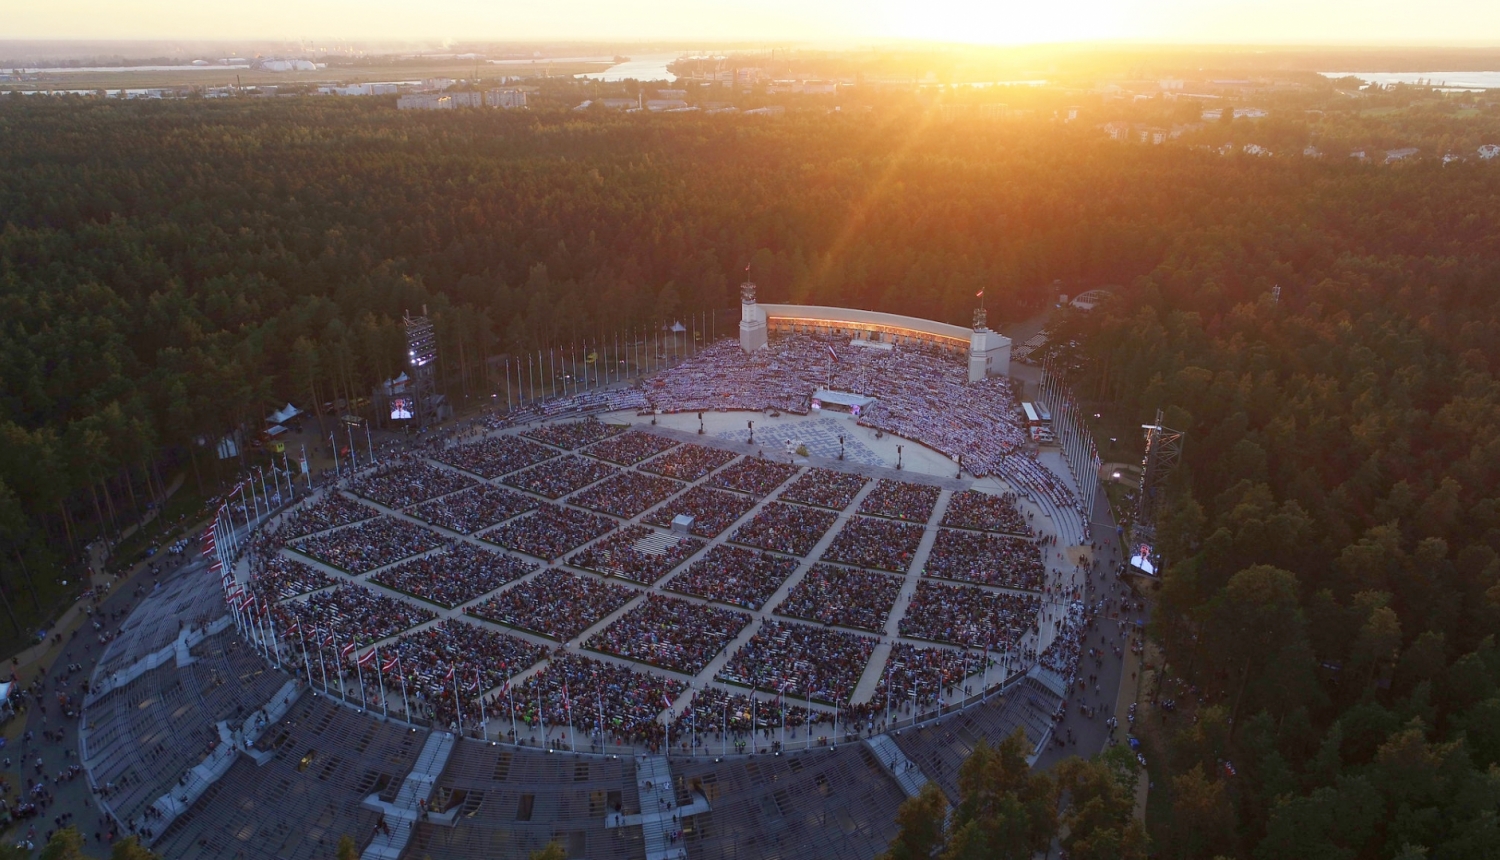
(421, 359)
(1162, 454)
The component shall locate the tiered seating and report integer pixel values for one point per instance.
(551, 532)
(622, 555)
(689, 462)
(279, 578)
(987, 512)
(347, 615)
(373, 543)
(804, 661)
(408, 483)
(469, 511)
(842, 597)
(627, 494)
(478, 659)
(985, 558)
(557, 478)
(630, 448)
(734, 575)
(781, 527)
(572, 689)
(912, 669)
(712, 510)
(327, 760)
(878, 543)
(969, 615)
(825, 488)
(900, 500)
(670, 633)
(495, 456)
(457, 575)
(555, 603)
(331, 510)
(574, 434)
(754, 476)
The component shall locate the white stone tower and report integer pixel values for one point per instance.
(752, 320)
(989, 352)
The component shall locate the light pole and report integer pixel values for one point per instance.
(841, 446)
(751, 425)
(898, 457)
(700, 423)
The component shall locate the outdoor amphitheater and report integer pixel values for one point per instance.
(743, 607)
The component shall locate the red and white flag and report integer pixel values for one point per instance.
(831, 354)
(389, 665)
(449, 676)
(369, 655)
(347, 650)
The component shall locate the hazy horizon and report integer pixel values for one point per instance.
(1332, 23)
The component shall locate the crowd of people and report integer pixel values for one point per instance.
(734, 575)
(370, 544)
(990, 559)
(689, 462)
(755, 476)
(921, 673)
(495, 456)
(901, 500)
(602, 701)
(468, 511)
(557, 478)
(802, 661)
(971, 509)
(843, 597)
(551, 532)
(825, 488)
(275, 578)
(404, 482)
(618, 555)
(921, 393)
(670, 633)
(570, 435)
(712, 510)
(630, 448)
(970, 616)
(712, 710)
(451, 658)
(555, 603)
(456, 575)
(878, 543)
(331, 510)
(349, 615)
(782, 527)
(627, 494)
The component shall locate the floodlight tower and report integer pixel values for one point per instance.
(421, 359)
(1163, 453)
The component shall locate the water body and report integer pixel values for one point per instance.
(1446, 80)
(651, 67)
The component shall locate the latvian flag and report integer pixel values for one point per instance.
(831, 354)
(389, 665)
(295, 628)
(369, 655)
(449, 676)
(246, 604)
(347, 650)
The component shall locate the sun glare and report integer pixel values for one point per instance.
(1004, 22)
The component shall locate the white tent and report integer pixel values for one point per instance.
(285, 413)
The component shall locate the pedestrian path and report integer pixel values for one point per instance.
(902, 769)
(660, 816)
(410, 806)
(232, 741)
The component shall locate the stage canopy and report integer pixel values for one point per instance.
(842, 398)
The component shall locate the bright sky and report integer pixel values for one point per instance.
(1467, 22)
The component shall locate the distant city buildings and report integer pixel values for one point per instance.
(450, 101)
